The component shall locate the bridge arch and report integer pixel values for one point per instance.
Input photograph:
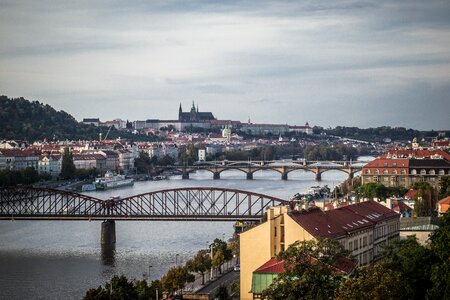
(193, 203)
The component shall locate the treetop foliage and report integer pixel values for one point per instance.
(21, 119)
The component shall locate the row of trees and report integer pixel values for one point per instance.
(377, 134)
(325, 152)
(21, 119)
(377, 190)
(409, 271)
(172, 282)
(26, 177)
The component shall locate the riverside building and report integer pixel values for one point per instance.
(362, 228)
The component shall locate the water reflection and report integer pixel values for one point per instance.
(108, 253)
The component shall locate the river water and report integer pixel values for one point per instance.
(63, 259)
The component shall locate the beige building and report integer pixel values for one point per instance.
(362, 228)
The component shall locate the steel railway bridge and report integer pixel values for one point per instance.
(284, 167)
(180, 204)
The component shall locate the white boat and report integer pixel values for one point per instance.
(111, 181)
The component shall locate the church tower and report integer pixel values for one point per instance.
(180, 113)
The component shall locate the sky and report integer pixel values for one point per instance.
(329, 63)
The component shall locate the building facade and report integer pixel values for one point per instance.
(406, 167)
(362, 228)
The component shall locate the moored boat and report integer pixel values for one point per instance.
(111, 181)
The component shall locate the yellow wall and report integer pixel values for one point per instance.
(294, 232)
(255, 248)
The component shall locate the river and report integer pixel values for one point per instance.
(63, 259)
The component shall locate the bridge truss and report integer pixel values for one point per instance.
(196, 203)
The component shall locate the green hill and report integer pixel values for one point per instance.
(21, 119)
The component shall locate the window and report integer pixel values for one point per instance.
(355, 245)
(394, 164)
(375, 172)
(394, 172)
(413, 172)
(431, 172)
(350, 246)
(423, 172)
(385, 164)
(441, 172)
(385, 171)
(403, 172)
(365, 241)
(367, 171)
(275, 228)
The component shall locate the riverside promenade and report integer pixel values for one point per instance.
(227, 276)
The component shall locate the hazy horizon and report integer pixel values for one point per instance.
(348, 63)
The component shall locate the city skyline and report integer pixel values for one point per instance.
(352, 63)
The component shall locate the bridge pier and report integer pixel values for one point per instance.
(216, 175)
(185, 175)
(318, 176)
(284, 176)
(249, 176)
(108, 234)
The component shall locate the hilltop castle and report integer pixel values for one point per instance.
(194, 115)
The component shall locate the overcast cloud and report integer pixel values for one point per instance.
(351, 63)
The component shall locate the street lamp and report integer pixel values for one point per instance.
(149, 267)
(176, 259)
(211, 273)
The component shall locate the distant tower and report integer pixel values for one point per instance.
(197, 107)
(180, 113)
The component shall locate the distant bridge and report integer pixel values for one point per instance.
(284, 167)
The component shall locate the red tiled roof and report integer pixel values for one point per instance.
(446, 200)
(411, 194)
(271, 266)
(342, 265)
(398, 205)
(17, 153)
(388, 163)
(342, 220)
(417, 153)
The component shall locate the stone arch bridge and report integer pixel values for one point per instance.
(282, 167)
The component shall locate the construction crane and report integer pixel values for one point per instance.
(100, 134)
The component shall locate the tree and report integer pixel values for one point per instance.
(444, 186)
(218, 259)
(97, 294)
(143, 163)
(67, 167)
(414, 262)
(200, 263)
(372, 282)
(166, 160)
(222, 293)
(119, 288)
(440, 272)
(423, 200)
(309, 271)
(176, 278)
(146, 292)
(221, 252)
